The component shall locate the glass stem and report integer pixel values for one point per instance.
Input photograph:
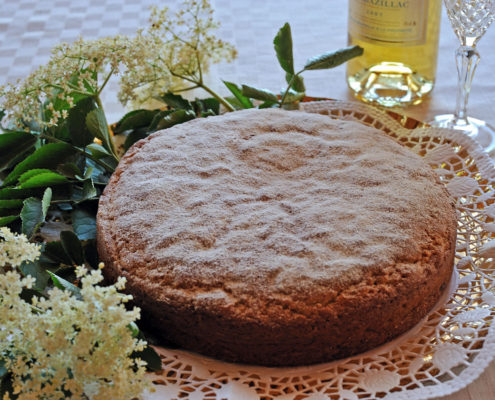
(467, 58)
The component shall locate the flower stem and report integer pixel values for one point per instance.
(199, 83)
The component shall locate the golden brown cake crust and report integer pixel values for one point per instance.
(277, 238)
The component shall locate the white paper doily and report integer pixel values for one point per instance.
(442, 354)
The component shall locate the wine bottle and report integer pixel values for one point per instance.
(400, 41)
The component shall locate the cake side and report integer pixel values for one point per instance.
(260, 232)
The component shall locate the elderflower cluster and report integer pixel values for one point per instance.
(179, 50)
(14, 249)
(66, 347)
(80, 68)
(172, 50)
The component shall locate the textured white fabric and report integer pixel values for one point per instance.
(29, 28)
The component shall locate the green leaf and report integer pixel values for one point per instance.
(98, 151)
(44, 179)
(157, 118)
(153, 360)
(72, 246)
(55, 252)
(293, 96)
(297, 83)
(97, 125)
(48, 156)
(177, 117)
(237, 92)
(13, 203)
(134, 329)
(209, 105)
(69, 170)
(176, 101)
(4, 221)
(102, 154)
(63, 284)
(134, 120)
(133, 137)
(89, 190)
(84, 224)
(259, 94)
(32, 172)
(333, 59)
(283, 47)
(12, 144)
(209, 113)
(80, 134)
(31, 216)
(45, 201)
(15, 193)
(3, 369)
(39, 273)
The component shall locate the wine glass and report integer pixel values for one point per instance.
(470, 19)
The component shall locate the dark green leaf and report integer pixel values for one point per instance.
(44, 179)
(97, 125)
(72, 246)
(177, 117)
(48, 156)
(157, 118)
(333, 59)
(6, 386)
(4, 221)
(134, 120)
(14, 203)
(297, 82)
(39, 273)
(283, 48)
(153, 360)
(12, 144)
(133, 137)
(206, 105)
(69, 170)
(31, 216)
(63, 284)
(56, 253)
(237, 92)
(3, 369)
(176, 101)
(79, 133)
(91, 253)
(84, 224)
(259, 94)
(15, 193)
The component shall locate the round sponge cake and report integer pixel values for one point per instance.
(277, 238)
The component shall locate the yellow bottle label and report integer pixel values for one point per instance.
(389, 22)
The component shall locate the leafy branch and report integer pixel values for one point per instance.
(295, 90)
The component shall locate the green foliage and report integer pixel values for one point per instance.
(296, 89)
(333, 59)
(13, 145)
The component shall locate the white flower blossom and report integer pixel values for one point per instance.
(59, 345)
(14, 249)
